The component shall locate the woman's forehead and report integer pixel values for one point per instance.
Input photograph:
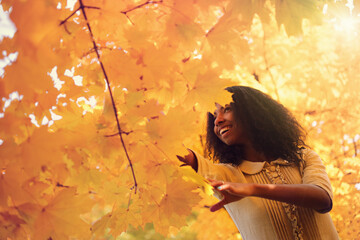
(219, 107)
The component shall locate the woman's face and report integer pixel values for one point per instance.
(226, 128)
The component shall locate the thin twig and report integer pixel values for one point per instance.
(140, 6)
(110, 92)
(92, 50)
(137, 7)
(115, 134)
(72, 14)
(61, 185)
(315, 112)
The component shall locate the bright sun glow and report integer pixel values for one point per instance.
(348, 24)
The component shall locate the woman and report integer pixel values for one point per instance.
(271, 185)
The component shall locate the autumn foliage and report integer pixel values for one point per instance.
(103, 95)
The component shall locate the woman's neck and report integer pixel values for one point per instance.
(253, 156)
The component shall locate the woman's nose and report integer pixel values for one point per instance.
(218, 119)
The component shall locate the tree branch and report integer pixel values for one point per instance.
(92, 50)
(120, 132)
(115, 134)
(72, 14)
(139, 6)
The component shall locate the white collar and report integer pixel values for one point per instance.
(249, 167)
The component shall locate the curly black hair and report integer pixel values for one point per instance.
(270, 127)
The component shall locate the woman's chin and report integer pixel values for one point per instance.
(228, 142)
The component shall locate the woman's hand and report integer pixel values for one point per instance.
(231, 192)
(189, 159)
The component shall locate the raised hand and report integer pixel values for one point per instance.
(189, 159)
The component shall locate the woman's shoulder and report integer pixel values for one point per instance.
(308, 153)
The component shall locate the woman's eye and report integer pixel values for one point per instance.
(227, 109)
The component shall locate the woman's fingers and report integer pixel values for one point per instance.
(216, 183)
(214, 180)
(181, 159)
(224, 187)
(219, 185)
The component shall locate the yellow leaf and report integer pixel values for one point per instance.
(118, 220)
(11, 225)
(174, 207)
(207, 90)
(179, 198)
(60, 218)
(123, 217)
(86, 180)
(190, 175)
(101, 226)
(166, 136)
(11, 189)
(36, 151)
(292, 12)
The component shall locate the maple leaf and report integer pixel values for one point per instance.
(163, 134)
(101, 226)
(191, 175)
(124, 217)
(114, 190)
(11, 225)
(182, 25)
(163, 171)
(179, 198)
(174, 206)
(36, 150)
(86, 180)
(291, 14)
(118, 220)
(60, 218)
(11, 192)
(226, 38)
(15, 124)
(123, 70)
(207, 90)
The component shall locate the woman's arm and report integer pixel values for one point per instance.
(305, 195)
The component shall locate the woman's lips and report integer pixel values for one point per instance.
(224, 130)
